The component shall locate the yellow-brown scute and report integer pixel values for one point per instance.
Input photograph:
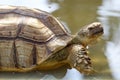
(28, 37)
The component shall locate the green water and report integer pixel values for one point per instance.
(77, 13)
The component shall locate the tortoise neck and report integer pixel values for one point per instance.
(77, 40)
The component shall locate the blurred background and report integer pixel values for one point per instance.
(74, 14)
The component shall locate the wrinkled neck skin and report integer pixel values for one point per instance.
(80, 40)
(84, 39)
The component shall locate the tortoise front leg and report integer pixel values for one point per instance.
(79, 59)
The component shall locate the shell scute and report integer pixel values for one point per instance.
(33, 35)
(6, 54)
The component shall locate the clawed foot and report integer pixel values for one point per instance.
(79, 59)
(83, 61)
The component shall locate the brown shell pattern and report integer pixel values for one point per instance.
(29, 36)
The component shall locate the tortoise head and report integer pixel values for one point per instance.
(89, 33)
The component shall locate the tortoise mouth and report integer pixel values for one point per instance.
(96, 30)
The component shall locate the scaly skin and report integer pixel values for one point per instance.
(78, 57)
(75, 53)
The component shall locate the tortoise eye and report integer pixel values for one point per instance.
(90, 28)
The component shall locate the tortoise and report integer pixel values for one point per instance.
(32, 39)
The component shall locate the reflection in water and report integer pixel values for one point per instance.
(40, 4)
(73, 74)
(110, 17)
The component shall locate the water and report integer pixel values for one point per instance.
(75, 14)
(40, 4)
(110, 17)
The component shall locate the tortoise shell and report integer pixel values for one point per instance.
(29, 36)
